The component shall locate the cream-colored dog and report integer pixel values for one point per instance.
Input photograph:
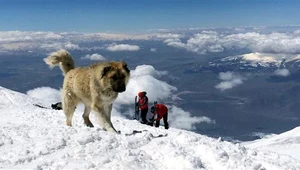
(96, 86)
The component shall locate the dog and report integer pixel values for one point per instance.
(96, 86)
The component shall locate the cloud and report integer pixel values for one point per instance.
(115, 37)
(229, 80)
(153, 49)
(146, 78)
(46, 94)
(143, 78)
(29, 40)
(17, 36)
(195, 40)
(71, 46)
(183, 119)
(176, 43)
(57, 45)
(123, 47)
(168, 36)
(282, 72)
(214, 42)
(95, 56)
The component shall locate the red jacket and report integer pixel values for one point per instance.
(143, 102)
(160, 110)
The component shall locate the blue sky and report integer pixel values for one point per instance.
(141, 15)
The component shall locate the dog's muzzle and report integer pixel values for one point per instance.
(119, 87)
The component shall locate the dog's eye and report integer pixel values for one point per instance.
(114, 77)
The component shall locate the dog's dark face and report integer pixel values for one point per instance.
(116, 75)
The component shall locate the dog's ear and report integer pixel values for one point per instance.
(125, 66)
(105, 70)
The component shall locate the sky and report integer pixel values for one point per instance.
(32, 137)
(134, 16)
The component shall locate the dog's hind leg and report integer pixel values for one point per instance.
(69, 106)
(86, 115)
(103, 115)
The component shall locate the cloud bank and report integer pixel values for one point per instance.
(216, 42)
(201, 41)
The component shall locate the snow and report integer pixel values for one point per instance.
(258, 57)
(286, 143)
(263, 59)
(37, 138)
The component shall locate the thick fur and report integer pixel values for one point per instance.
(96, 86)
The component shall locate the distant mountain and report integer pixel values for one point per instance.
(252, 62)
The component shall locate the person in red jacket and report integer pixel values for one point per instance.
(162, 112)
(143, 105)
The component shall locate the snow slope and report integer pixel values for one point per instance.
(37, 138)
(287, 143)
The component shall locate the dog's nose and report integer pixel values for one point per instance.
(120, 87)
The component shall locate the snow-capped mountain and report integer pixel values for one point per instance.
(252, 62)
(33, 136)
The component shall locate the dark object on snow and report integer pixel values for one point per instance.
(40, 106)
(57, 106)
(136, 109)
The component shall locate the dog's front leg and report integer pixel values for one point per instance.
(103, 115)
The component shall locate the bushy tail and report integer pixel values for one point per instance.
(62, 58)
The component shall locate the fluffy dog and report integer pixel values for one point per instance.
(96, 86)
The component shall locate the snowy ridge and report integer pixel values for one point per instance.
(9, 97)
(286, 143)
(37, 138)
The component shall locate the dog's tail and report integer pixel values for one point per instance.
(62, 58)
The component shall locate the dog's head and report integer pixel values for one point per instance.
(115, 75)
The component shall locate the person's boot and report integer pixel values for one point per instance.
(167, 126)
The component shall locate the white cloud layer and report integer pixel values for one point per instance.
(143, 78)
(229, 80)
(95, 56)
(29, 40)
(199, 41)
(214, 42)
(123, 47)
(17, 36)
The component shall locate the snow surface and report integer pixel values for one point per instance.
(287, 143)
(37, 138)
